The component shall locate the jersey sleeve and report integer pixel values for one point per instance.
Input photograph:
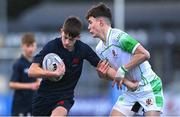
(16, 74)
(99, 55)
(127, 43)
(91, 56)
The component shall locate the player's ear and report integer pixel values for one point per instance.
(22, 45)
(61, 30)
(78, 37)
(101, 22)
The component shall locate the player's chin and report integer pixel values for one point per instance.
(29, 55)
(66, 46)
(69, 47)
(94, 36)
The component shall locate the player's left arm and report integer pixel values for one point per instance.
(103, 68)
(101, 65)
(90, 55)
(139, 53)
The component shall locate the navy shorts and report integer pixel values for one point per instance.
(43, 106)
(25, 111)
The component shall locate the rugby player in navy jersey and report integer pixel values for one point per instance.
(23, 85)
(56, 98)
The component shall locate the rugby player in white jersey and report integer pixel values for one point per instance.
(130, 59)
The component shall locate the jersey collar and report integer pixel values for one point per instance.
(108, 35)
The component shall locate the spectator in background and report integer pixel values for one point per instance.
(23, 86)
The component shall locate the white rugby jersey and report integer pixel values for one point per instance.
(119, 49)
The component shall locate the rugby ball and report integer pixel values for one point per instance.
(50, 62)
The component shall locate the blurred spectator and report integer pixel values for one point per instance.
(23, 85)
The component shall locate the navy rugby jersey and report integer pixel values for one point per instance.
(73, 62)
(22, 97)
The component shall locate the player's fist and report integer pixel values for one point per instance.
(102, 68)
(118, 81)
(60, 70)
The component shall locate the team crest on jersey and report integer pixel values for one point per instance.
(114, 53)
(75, 61)
(149, 102)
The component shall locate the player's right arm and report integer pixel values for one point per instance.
(109, 73)
(37, 72)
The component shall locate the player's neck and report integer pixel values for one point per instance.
(104, 34)
(70, 49)
(27, 57)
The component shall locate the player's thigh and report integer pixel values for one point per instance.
(123, 111)
(152, 113)
(123, 106)
(62, 107)
(152, 98)
(116, 113)
(59, 111)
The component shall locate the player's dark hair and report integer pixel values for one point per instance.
(99, 10)
(28, 38)
(72, 26)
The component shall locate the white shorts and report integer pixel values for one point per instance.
(149, 96)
